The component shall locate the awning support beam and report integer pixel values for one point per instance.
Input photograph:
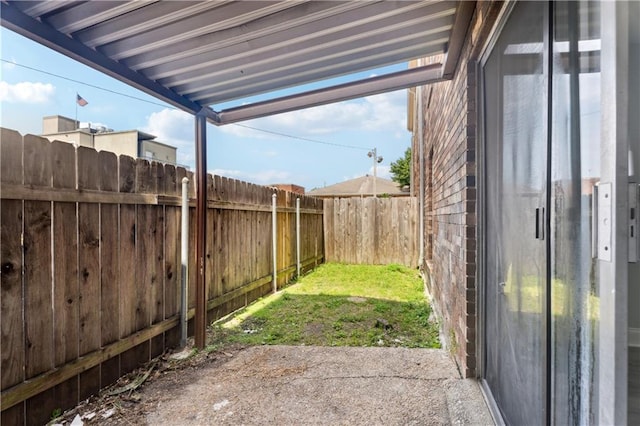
(370, 86)
(458, 36)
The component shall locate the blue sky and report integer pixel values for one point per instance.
(234, 151)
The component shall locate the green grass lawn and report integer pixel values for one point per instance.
(339, 305)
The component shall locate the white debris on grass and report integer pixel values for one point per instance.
(110, 412)
(183, 354)
(89, 416)
(219, 405)
(77, 421)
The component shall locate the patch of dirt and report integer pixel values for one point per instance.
(253, 323)
(133, 396)
(356, 299)
(314, 329)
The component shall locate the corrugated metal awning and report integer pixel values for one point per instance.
(195, 54)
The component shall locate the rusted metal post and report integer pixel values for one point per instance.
(201, 229)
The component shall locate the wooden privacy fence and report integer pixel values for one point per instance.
(90, 265)
(371, 230)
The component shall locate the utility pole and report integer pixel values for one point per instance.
(373, 154)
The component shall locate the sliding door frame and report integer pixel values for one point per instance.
(614, 273)
(481, 342)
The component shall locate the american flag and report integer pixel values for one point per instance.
(80, 100)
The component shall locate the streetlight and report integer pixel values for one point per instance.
(373, 154)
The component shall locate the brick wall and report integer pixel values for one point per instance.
(450, 116)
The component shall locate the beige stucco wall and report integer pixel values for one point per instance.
(57, 124)
(77, 138)
(122, 143)
(159, 151)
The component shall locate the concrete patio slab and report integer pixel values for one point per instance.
(292, 385)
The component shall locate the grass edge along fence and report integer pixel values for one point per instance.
(90, 258)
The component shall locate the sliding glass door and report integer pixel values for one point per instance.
(555, 212)
(515, 107)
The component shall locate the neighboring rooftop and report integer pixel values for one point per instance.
(360, 187)
(133, 143)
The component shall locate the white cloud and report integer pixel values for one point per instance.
(381, 171)
(264, 177)
(26, 92)
(175, 128)
(389, 111)
(383, 112)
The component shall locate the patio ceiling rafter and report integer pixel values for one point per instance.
(193, 54)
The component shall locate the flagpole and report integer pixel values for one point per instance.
(77, 124)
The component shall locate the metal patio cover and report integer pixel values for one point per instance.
(195, 54)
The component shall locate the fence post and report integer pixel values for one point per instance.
(274, 222)
(184, 303)
(298, 235)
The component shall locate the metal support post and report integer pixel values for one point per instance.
(201, 229)
(184, 297)
(298, 236)
(421, 172)
(274, 221)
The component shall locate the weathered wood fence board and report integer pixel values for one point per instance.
(371, 230)
(11, 289)
(65, 271)
(91, 264)
(110, 299)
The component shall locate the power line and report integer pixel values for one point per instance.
(301, 138)
(87, 84)
(172, 107)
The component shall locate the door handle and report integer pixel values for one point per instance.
(634, 203)
(540, 223)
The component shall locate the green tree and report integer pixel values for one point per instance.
(401, 169)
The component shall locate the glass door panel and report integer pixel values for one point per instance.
(575, 169)
(515, 86)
